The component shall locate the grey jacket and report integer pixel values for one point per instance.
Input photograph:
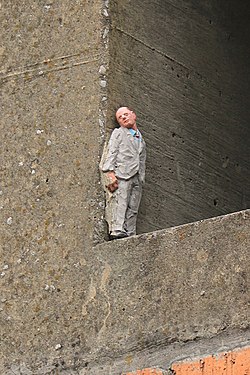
(126, 155)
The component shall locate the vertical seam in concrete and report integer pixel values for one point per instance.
(99, 230)
(103, 69)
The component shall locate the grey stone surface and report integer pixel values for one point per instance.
(175, 294)
(148, 295)
(51, 202)
(184, 69)
(68, 307)
(178, 284)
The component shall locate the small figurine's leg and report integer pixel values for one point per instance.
(133, 206)
(119, 206)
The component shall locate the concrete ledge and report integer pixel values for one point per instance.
(162, 298)
(175, 358)
(178, 284)
(237, 362)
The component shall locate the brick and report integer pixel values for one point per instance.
(231, 363)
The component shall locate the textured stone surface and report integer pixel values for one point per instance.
(147, 293)
(184, 69)
(50, 202)
(178, 284)
(68, 307)
(174, 294)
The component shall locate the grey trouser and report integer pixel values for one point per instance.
(124, 205)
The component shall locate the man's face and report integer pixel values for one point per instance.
(126, 118)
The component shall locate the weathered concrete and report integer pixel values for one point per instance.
(51, 132)
(176, 285)
(62, 300)
(156, 290)
(52, 119)
(184, 69)
(173, 356)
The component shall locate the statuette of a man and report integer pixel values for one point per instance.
(124, 167)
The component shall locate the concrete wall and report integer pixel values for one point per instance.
(187, 284)
(152, 300)
(68, 307)
(184, 69)
(52, 115)
(51, 112)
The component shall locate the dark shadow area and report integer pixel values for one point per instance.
(185, 71)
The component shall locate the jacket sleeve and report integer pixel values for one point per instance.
(113, 149)
(142, 165)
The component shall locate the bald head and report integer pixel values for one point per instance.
(126, 118)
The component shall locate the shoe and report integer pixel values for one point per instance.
(117, 234)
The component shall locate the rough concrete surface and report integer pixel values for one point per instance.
(148, 294)
(177, 285)
(67, 307)
(184, 69)
(52, 118)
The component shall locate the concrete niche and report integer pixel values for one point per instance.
(184, 70)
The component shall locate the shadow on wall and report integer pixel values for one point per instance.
(185, 72)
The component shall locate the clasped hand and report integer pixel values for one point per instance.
(113, 182)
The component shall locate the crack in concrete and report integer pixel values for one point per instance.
(91, 296)
(46, 61)
(152, 48)
(41, 68)
(188, 70)
(105, 276)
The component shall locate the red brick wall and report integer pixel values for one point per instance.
(229, 363)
